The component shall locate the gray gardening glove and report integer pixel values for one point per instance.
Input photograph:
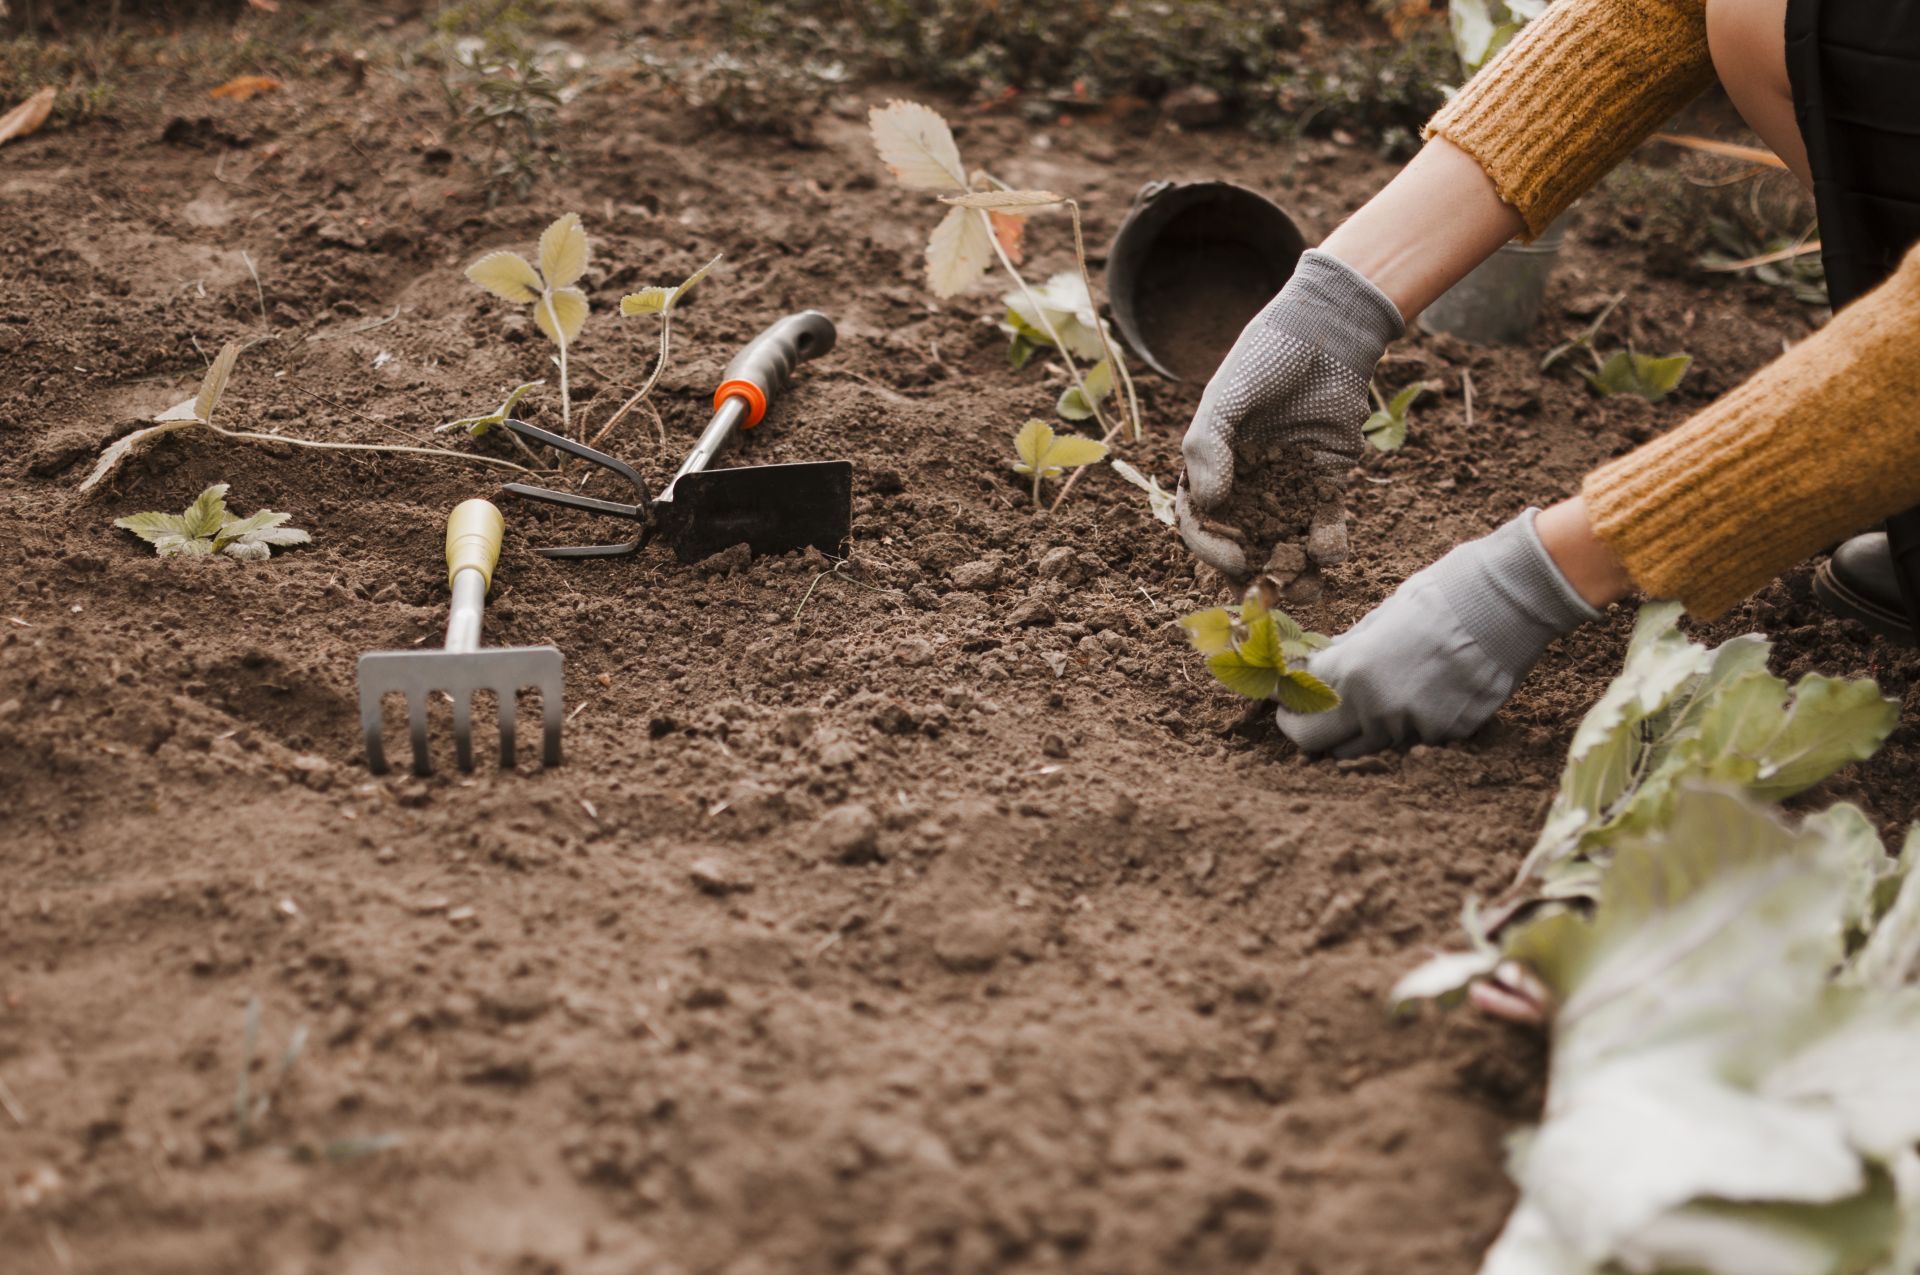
(1437, 659)
(1297, 376)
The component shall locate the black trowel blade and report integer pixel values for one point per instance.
(769, 508)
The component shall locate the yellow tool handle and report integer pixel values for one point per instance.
(473, 539)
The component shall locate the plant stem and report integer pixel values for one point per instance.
(659, 366)
(560, 339)
(252, 437)
(1036, 486)
(1040, 313)
(1132, 416)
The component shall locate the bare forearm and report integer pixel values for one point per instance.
(1435, 221)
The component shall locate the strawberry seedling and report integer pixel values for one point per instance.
(209, 527)
(1386, 429)
(1261, 653)
(660, 301)
(1159, 499)
(559, 307)
(1044, 454)
(1624, 371)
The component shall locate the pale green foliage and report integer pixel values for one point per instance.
(1717, 1101)
(197, 410)
(1731, 994)
(479, 425)
(1257, 652)
(1386, 429)
(1624, 371)
(1045, 454)
(209, 527)
(1159, 499)
(1061, 301)
(659, 300)
(1076, 403)
(1680, 712)
(559, 307)
(1481, 28)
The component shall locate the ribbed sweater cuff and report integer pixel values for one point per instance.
(1820, 444)
(1573, 94)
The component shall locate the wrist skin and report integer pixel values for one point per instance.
(1398, 243)
(1566, 531)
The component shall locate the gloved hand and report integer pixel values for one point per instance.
(1437, 659)
(1297, 376)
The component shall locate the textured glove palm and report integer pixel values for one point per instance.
(1437, 659)
(1297, 376)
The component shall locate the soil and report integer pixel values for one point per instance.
(1288, 517)
(932, 912)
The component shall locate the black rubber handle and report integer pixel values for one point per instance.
(766, 363)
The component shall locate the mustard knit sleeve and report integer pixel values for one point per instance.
(1823, 442)
(1573, 94)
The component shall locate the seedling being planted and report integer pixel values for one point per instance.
(660, 301)
(983, 219)
(1624, 371)
(1386, 429)
(1159, 499)
(1259, 653)
(559, 308)
(208, 527)
(1045, 454)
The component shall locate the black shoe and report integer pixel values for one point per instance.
(1858, 583)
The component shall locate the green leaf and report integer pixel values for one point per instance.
(1628, 372)
(1385, 431)
(153, 527)
(1397, 406)
(247, 550)
(1076, 406)
(1261, 646)
(1301, 692)
(646, 301)
(959, 252)
(1891, 955)
(1022, 350)
(1210, 631)
(1243, 678)
(1832, 723)
(1032, 443)
(183, 546)
(208, 513)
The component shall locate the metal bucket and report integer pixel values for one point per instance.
(1501, 298)
(1193, 262)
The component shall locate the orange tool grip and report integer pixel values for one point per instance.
(755, 396)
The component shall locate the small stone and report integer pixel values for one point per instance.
(516, 1003)
(973, 942)
(1194, 106)
(1286, 561)
(846, 834)
(1061, 564)
(1031, 613)
(913, 652)
(715, 876)
(981, 573)
(1374, 764)
(887, 482)
(1327, 538)
(1053, 745)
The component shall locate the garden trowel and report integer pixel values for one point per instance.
(769, 508)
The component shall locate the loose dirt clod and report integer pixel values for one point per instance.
(1286, 515)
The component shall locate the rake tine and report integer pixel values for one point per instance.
(551, 718)
(370, 727)
(417, 727)
(508, 696)
(463, 729)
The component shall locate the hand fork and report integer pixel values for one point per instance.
(473, 547)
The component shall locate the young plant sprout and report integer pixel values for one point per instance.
(916, 144)
(208, 527)
(660, 301)
(559, 308)
(1386, 429)
(198, 411)
(478, 426)
(1253, 651)
(1624, 371)
(1159, 499)
(1044, 454)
